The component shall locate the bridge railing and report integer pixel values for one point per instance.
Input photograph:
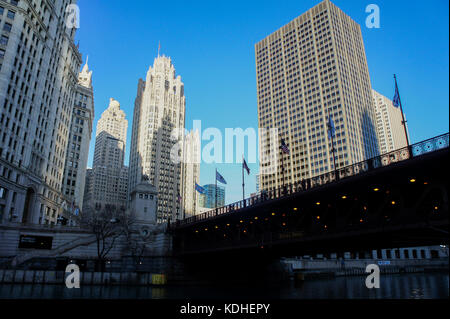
(415, 150)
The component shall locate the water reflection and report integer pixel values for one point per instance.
(406, 286)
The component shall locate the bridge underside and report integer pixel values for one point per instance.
(401, 205)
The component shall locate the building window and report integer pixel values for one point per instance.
(2, 54)
(2, 10)
(3, 192)
(7, 27)
(11, 15)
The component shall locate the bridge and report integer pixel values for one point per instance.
(399, 199)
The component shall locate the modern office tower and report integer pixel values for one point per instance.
(312, 68)
(258, 183)
(79, 139)
(157, 136)
(191, 173)
(39, 66)
(109, 176)
(391, 134)
(208, 200)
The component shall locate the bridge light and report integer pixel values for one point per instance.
(241, 221)
(245, 231)
(273, 214)
(412, 180)
(196, 231)
(376, 189)
(318, 217)
(344, 197)
(217, 227)
(365, 207)
(361, 220)
(295, 208)
(325, 226)
(256, 218)
(425, 183)
(206, 229)
(393, 202)
(318, 203)
(228, 225)
(436, 208)
(284, 224)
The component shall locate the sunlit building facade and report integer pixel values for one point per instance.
(310, 69)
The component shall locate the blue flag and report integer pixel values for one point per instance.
(246, 167)
(284, 147)
(331, 128)
(396, 99)
(220, 178)
(199, 189)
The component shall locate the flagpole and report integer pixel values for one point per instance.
(282, 169)
(215, 190)
(403, 116)
(336, 177)
(243, 183)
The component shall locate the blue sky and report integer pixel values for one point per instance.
(211, 44)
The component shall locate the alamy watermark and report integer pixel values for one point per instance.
(73, 277)
(73, 16)
(373, 279)
(373, 19)
(229, 145)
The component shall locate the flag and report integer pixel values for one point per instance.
(244, 164)
(284, 147)
(396, 99)
(199, 189)
(331, 128)
(220, 178)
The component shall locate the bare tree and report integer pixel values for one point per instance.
(136, 244)
(107, 225)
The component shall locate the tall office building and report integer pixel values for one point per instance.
(312, 68)
(391, 134)
(208, 199)
(79, 139)
(39, 66)
(109, 176)
(158, 131)
(191, 173)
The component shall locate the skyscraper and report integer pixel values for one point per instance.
(391, 134)
(313, 68)
(39, 66)
(208, 199)
(79, 139)
(109, 176)
(191, 173)
(157, 136)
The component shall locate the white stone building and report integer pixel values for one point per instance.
(191, 174)
(109, 176)
(39, 66)
(312, 68)
(391, 133)
(157, 136)
(79, 139)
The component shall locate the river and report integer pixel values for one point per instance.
(402, 286)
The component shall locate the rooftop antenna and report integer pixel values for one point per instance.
(159, 47)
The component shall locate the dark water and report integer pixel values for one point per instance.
(404, 286)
